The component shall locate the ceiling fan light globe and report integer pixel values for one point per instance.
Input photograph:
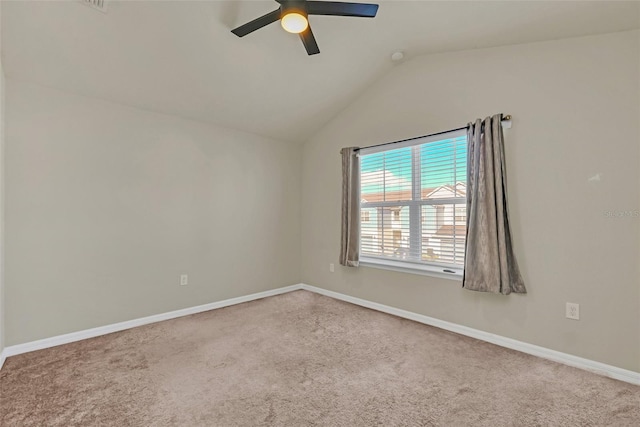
(294, 22)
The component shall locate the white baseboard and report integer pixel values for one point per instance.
(115, 327)
(556, 356)
(545, 353)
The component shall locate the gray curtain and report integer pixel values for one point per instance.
(490, 263)
(350, 238)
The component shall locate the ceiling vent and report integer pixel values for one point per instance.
(100, 5)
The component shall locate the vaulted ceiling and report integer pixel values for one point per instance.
(180, 58)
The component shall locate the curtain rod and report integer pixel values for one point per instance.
(505, 118)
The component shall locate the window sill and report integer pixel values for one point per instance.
(405, 267)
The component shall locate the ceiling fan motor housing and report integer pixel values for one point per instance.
(293, 7)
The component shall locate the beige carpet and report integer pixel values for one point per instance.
(301, 359)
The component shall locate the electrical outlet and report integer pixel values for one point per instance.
(331, 268)
(573, 311)
(184, 280)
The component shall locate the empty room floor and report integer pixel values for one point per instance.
(301, 359)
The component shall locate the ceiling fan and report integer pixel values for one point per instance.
(293, 17)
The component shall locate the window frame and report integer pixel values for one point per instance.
(440, 269)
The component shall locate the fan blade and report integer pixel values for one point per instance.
(336, 8)
(309, 41)
(257, 23)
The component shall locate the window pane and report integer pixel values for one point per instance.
(444, 168)
(369, 239)
(386, 176)
(443, 233)
(386, 233)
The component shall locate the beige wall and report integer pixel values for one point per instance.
(575, 105)
(107, 206)
(2, 127)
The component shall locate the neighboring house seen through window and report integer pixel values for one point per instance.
(413, 196)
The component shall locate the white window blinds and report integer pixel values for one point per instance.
(413, 201)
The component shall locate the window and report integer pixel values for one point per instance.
(414, 196)
(364, 216)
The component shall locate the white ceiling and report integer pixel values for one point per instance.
(179, 57)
